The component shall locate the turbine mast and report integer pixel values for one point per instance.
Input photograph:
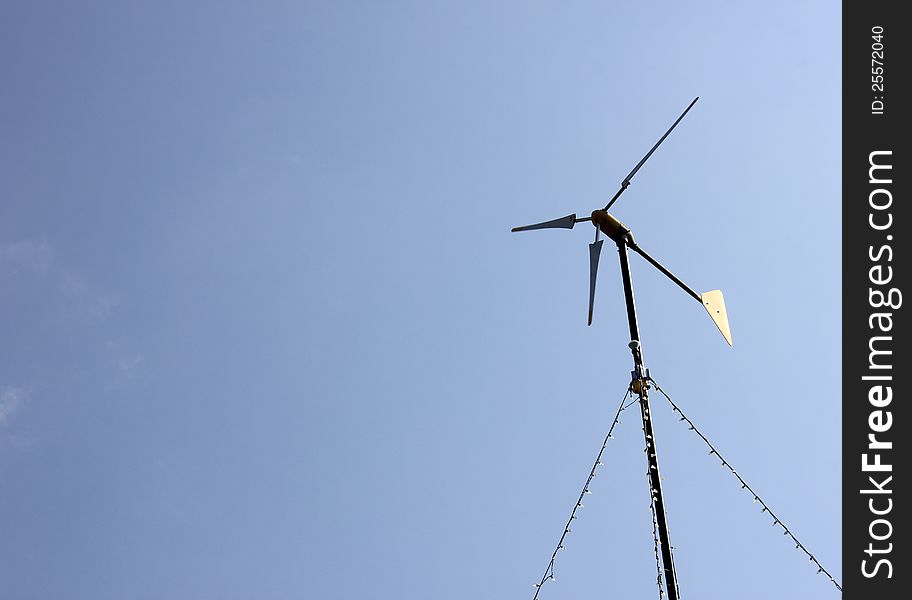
(639, 384)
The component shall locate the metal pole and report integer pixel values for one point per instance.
(665, 271)
(639, 385)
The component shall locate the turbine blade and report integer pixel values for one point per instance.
(563, 223)
(659, 143)
(595, 249)
(626, 182)
(714, 304)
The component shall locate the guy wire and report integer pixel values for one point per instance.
(744, 486)
(549, 570)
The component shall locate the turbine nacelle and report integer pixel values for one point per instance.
(611, 227)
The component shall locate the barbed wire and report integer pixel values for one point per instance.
(549, 570)
(745, 486)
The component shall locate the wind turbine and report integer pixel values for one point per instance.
(605, 223)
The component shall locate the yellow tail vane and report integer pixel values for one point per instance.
(714, 304)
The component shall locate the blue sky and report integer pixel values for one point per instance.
(267, 334)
